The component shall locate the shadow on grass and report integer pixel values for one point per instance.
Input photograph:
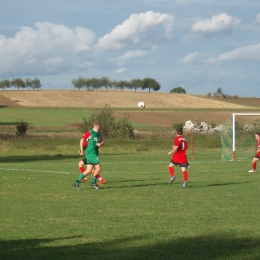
(218, 184)
(197, 247)
(8, 123)
(12, 159)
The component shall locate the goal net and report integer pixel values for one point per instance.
(237, 136)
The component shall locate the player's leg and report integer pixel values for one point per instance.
(171, 171)
(82, 175)
(254, 161)
(81, 167)
(96, 173)
(101, 180)
(93, 159)
(185, 177)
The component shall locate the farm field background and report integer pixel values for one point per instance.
(65, 108)
(136, 214)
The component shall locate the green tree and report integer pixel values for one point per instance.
(18, 83)
(122, 84)
(78, 83)
(219, 92)
(28, 83)
(5, 83)
(136, 83)
(106, 82)
(150, 83)
(95, 83)
(178, 90)
(36, 84)
(87, 84)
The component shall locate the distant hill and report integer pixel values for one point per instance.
(116, 99)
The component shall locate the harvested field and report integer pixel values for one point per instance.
(116, 99)
(162, 109)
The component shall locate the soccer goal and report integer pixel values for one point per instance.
(237, 135)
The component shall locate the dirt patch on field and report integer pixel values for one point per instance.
(168, 119)
(116, 99)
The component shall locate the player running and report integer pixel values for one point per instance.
(179, 157)
(95, 141)
(257, 156)
(83, 144)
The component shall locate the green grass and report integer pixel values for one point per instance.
(136, 215)
(46, 117)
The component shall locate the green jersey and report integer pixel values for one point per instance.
(93, 138)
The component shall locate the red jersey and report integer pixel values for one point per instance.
(258, 147)
(180, 155)
(86, 136)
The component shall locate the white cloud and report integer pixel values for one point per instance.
(120, 70)
(218, 24)
(258, 18)
(48, 46)
(140, 30)
(130, 55)
(191, 57)
(248, 53)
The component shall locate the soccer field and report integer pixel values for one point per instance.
(136, 214)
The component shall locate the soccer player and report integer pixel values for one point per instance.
(83, 144)
(257, 156)
(179, 157)
(95, 141)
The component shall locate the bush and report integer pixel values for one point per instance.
(125, 128)
(21, 127)
(177, 125)
(109, 126)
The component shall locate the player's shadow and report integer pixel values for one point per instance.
(202, 247)
(217, 184)
(143, 184)
(26, 158)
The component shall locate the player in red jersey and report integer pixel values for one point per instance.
(179, 157)
(83, 144)
(257, 156)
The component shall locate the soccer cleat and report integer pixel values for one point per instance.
(185, 185)
(84, 179)
(76, 185)
(172, 179)
(94, 185)
(252, 171)
(101, 182)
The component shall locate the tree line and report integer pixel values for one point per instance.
(106, 83)
(20, 83)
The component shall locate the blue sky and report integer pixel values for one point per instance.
(198, 45)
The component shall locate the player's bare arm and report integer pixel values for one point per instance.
(174, 149)
(81, 142)
(100, 144)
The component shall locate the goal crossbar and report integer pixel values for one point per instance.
(234, 130)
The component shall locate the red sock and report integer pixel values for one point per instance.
(185, 175)
(99, 177)
(254, 166)
(171, 171)
(82, 169)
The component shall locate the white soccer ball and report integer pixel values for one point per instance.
(141, 105)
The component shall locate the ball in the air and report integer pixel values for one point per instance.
(141, 105)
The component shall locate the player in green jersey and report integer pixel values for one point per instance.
(95, 141)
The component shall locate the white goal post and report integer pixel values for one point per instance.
(234, 130)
